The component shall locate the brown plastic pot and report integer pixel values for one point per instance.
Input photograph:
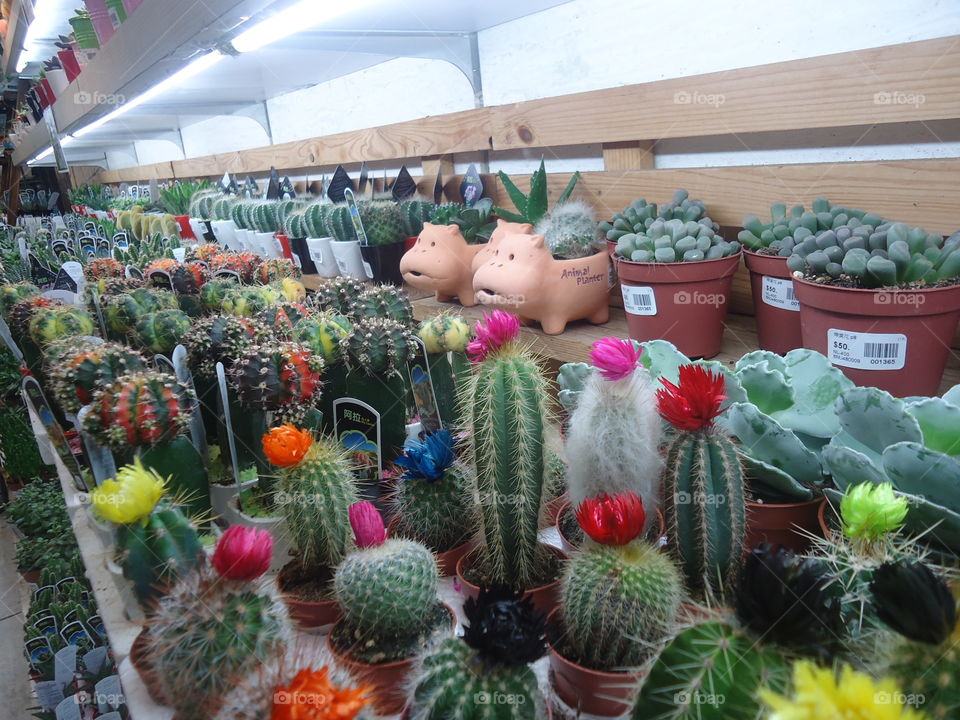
(590, 692)
(690, 302)
(842, 322)
(776, 310)
(568, 546)
(544, 597)
(785, 524)
(825, 527)
(304, 612)
(555, 508)
(150, 678)
(388, 682)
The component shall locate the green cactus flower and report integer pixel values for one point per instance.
(870, 511)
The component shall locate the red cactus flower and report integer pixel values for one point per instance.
(615, 358)
(612, 519)
(495, 330)
(367, 524)
(243, 553)
(695, 401)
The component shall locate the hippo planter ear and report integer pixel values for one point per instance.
(535, 241)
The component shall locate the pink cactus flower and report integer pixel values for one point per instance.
(615, 358)
(367, 524)
(495, 330)
(243, 553)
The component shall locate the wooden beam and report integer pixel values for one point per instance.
(628, 155)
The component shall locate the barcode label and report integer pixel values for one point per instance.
(867, 351)
(778, 292)
(639, 300)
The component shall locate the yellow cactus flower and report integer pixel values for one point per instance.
(870, 511)
(131, 496)
(819, 695)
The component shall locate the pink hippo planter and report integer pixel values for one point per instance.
(521, 276)
(441, 261)
(504, 228)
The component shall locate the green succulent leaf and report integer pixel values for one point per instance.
(765, 440)
(875, 420)
(536, 206)
(939, 422)
(918, 470)
(767, 388)
(850, 467)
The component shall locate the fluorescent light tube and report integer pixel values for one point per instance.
(296, 18)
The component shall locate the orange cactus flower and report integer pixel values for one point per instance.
(286, 445)
(311, 696)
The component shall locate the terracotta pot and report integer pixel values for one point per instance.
(776, 309)
(907, 332)
(782, 523)
(150, 678)
(388, 682)
(440, 261)
(523, 278)
(590, 692)
(31, 576)
(683, 302)
(503, 229)
(384, 261)
(555, 507)
(567, 544)
(304, 612)
(824, 512)
(544, 597)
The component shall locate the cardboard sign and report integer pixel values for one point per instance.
(422, 385)
(357, 426)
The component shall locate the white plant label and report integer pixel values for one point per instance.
(779, 293)
(367, 269)
(639, 300)
(866, 351)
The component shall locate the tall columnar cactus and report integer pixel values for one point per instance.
(139, 409)
(710, 670)
(51, 323)
(122, 312)
(159, 543)
(314, 493)
(570, 230)
(215, 624)
(703, 501)
(78, 369)
(221, 338)
(282, 318)
(430, 500)
(505, 403)
(384, 301)
(445, 338)
(339, 224)
(386, 588)
(619, 595)
(382, 221)
(414, 213)
(281, 377)
(487, 674)
(161, 331)
(338, 294)
(273, 269)
(613, 444)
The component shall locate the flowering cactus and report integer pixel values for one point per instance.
(243, 553)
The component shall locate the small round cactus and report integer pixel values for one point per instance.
(569, 230)
(322, 333)
(78, 369)
(102, 268)
(278, 376)
(221, 338)
(213, 292)
(51, 323)
(13, 293)
(378, 346)
(161, 331)
(338, 294)
(21, 313)
(445, 333)
(274, 269)
(121, 313)
(382, 221)
(385, 301)
(282, 318)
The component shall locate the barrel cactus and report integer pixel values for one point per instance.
(339, 224)
(273, 269)
(142, 408)
(244, 264)
(188, 278)
(703, 495)
(569, 230)
(22, 312)
(221, 338)
(245, 301)
(121, 313)
(101, 268)
(213, 292)
(161, 331)
(378, 346)
(282, 318)
(382, 221)
(51, 323)
(282, 377)
(384, 301)
(11, 294)
(78, 369)
(323, 332)
(338, 294)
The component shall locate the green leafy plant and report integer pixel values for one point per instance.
(176, 198)
(22, 459)
(39, 510)
(530, 208)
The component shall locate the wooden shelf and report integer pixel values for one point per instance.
(573, 345)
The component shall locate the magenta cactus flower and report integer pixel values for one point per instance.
(615, 358)
(243, 553)
(367, 524)
(495, 330)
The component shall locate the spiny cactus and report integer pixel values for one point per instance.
(290, 289)
(378, 346)
(385, 301)
(710, 670)
(430, 501)
(273, 269)
(161, 331)
(414, 213)
(703, 496)
(185, 278)
(315, 217)
(221, 338)
(487, 674)
(102, 268)
(339, 224)
(245, 301)
(213, 292)
(444, 213)
(21, 313)
(118, 286)
(619, 596)
(121, 313)
(382, 221)
(323, 332)
(338, 294)
(445, 338)
(386, 589)
(281, 377)
(783, 233)
(283, 318)
(51, 323)
(569, 230)
(505, 403)
(139, 409)
(243, 264)
(78, 369)
(13, 293)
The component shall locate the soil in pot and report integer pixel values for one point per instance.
(385, 663)
(545, 591)
(776, 310)
(308, 594)
(786, 524)
(584, 689)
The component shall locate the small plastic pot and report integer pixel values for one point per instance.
(384, 261)
(784, 524)
(304, 612)
(775, 308)
(544, 598)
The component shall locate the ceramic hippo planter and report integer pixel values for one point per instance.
(522, 276)
(441, 261)
(504, 228)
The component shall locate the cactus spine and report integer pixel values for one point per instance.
(414, 213)
(385, 301)
(339, 224)
(161, 331)
(382, 221)
(569, 230)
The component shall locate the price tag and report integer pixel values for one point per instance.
(779, 293)
(367, 269)
(866, 351)
(639, 300)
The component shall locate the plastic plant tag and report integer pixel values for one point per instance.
(338, 184)
(38, 651)
(65, 662)
(357, 426)
(403, 186)
(47, 625)
(9, 341)
(273, 185)
(37, 402)
(183, 374)
(50, 695)
(357, 222)
(76, 634)
(133, 272)
(42, 276)
(422, 385)
(471, 187)
(228, 427)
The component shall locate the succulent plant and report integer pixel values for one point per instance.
(221, 338)
(101, 268)
(619, 595)
(888, 255)
(187, 278)
(121, 313)
(531, 208)
(413, 214)
(21, 313)
(338, 294)
(161, 331)
(283, 318)
(339, 224)
(710, 670)
(323, 333)
(505, 404)
(487, 674)
(602, 457)
(142, 408)
(445, 338)
(571, 379)
(273, 269)
(213, 292)
(675, 241)
(913, 444)
(382, 221)
(246, 301)
(315, 218)
(444, 213)
(476, 224)
(703, 495)
(77, 369)
(282, 377)
(430, 500)
(383, 301)
(51, 323)
(639, 215)
(569, 230)
(378, 346)
(11, 294)
(782, 233)
(244, 264)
